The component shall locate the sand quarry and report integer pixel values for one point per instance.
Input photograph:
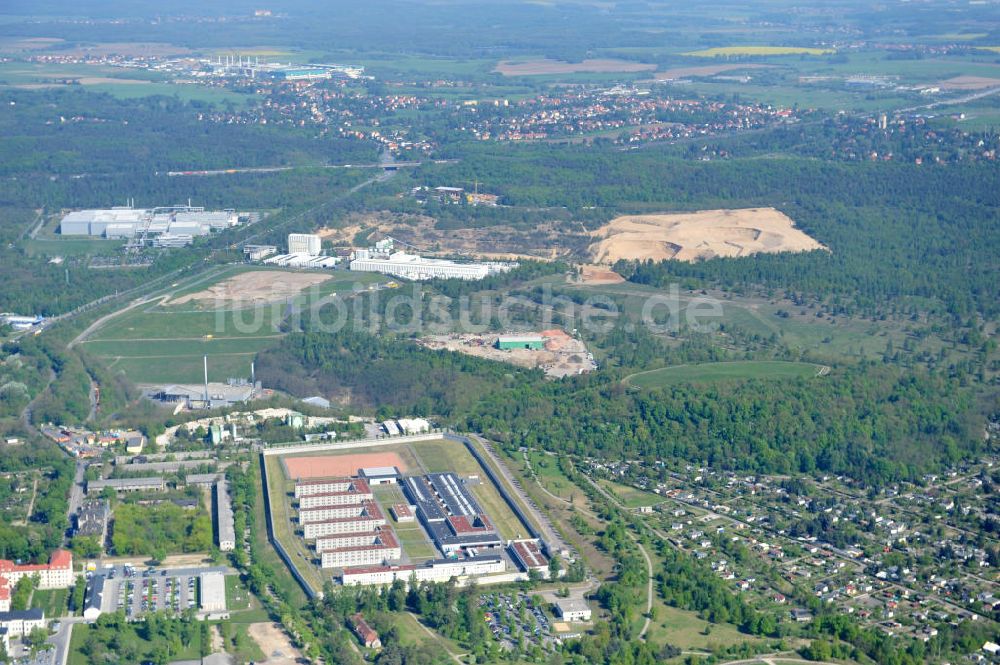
(694, 236)
(253, 287)
(563, 355)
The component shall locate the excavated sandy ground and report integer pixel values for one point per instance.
(563, 355)
(698, 235)
(256, 286)
(274, 643)
(598, 275)
(544, 242)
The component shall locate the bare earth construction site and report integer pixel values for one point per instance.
(695, 236)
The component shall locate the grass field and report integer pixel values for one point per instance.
(632, 497)
(825, 338)
(284, 528)
(117, 82)
(53, 601)
(157, 343)
(686, 630)
(188, 651)
(238, 597)
(410, 534)
(757, 50)
(722, 371)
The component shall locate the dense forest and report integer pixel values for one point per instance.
(75, 132)
(376, 373)
(158, 530)
(901, 237)
(872, 422)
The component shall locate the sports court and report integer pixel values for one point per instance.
(326, 466)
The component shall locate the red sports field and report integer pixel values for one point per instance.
(325, 466)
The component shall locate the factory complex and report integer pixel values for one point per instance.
(241, 66)
(167, 226)
(450, 514)
(305, 250)
(383, 258)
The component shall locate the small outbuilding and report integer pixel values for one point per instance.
(573, 609)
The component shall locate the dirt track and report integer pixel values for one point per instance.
(698, 235)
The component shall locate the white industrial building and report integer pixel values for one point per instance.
(167, 240)
(300, 260)
(18, 322)
(439, 570)
(213, 592)
(304, 243)
(414, 425)
(258, 252)
(173, 222)
(573, 609)
(412, 266)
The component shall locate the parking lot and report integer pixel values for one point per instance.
(511, 615)
(138, 591)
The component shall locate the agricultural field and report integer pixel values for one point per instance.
(547, 66)
(757, 50)
(723, 371)
(115, 82)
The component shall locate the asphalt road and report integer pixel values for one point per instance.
(75, 496)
